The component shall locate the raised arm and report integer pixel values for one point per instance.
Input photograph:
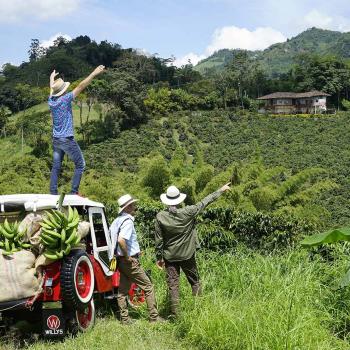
(53, 75)
(194, 210)
(86, 82)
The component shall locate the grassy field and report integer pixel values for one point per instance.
(43, 107)
(250, 301)
(109, 334)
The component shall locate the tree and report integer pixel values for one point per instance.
(35, 50)
(327, 73)
(235, 80)
(60, 41)
(8, 96)
(27, 96)
(4, 115)
(155, 175)
(222, 84)
(124, 95)
(82, 40)
(158, 102)
(238, 73)
(242, 79)
(185, 75)
(202, 176)
(36, 129)
(9, 71)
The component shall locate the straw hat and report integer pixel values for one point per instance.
(172, 196)
(59, 87)
(125, 201)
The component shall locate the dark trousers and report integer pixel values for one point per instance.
(69, 146)
(189, 267)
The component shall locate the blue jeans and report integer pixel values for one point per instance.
(69, 146)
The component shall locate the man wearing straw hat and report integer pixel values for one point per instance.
(60, 104)
(176, 240)
(128, 252)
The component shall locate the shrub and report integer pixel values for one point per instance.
(155, 175)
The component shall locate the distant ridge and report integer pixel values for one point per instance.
(278, 58)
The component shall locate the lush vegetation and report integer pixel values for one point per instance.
(145, 124)
(278, 58)
(283, 301)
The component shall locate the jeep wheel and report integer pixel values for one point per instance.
(82, 320)
(77, 281)
(85, 319)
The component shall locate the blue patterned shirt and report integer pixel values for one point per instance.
(62, 115)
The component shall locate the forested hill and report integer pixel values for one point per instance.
(27, 84)
(76, 58)
(278, 58)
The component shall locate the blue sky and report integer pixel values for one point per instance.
(186, 29)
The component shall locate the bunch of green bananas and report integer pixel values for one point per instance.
(11, 239)
(59, 233)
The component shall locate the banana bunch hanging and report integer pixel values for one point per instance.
(113, 264)
(59, 233)
(11, 238)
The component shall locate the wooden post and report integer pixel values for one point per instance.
(22, 139)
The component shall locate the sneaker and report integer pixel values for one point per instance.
(158, 319)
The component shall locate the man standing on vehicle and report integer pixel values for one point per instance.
(62, 128)
(128, 253)
(176, 241)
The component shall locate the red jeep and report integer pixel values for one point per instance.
(70, 284)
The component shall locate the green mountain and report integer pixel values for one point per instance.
(278, 58)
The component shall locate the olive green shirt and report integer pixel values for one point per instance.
(175, 232)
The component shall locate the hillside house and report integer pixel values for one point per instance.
(311, 102)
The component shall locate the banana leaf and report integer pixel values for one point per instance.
(332, 236)
(345, 281)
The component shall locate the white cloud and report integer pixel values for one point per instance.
(190, 57)
(241, 38)
(315, 18)
(235, 38)
(49, 42)
(17, 10)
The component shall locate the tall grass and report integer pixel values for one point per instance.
(250, 301)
